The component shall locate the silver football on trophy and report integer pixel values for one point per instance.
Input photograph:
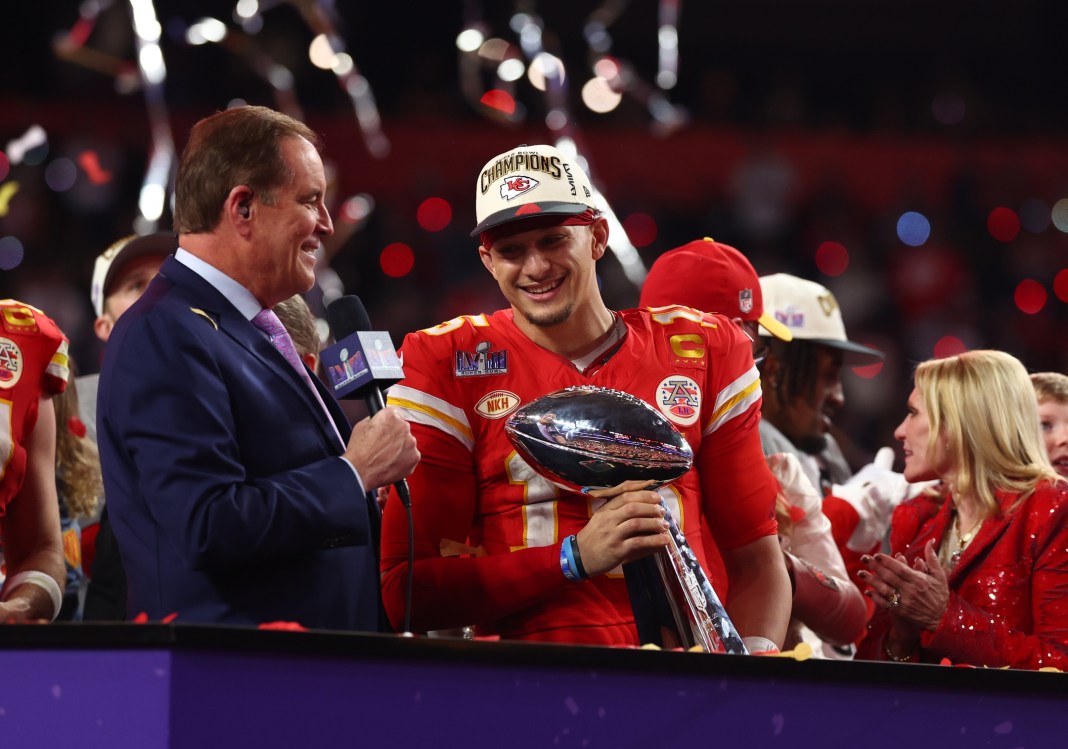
(589, 437)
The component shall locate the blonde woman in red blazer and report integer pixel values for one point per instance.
(978, 573)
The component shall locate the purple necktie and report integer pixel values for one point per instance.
(268, 322)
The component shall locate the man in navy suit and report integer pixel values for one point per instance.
(238, 492)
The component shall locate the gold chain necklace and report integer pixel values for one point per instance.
(963, 539)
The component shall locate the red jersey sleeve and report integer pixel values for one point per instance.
(737, 487)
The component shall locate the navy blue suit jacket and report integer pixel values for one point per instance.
(228, 499)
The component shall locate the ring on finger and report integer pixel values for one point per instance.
(894, 598)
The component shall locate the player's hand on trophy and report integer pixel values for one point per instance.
(629, 526)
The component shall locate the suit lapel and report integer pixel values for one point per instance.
(215, 309)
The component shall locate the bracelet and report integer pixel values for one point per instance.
(576, 557)
(41, 580)
(565, 562)
(568, 565)
(894, 658)
(755, 644)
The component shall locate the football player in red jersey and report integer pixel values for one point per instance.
(33, 357)
(490, 533)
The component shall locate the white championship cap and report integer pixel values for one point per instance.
(114, 258)
(528, 182)
(809, 311)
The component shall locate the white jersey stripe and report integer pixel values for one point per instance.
(423, 408)
(735, 399)
(59, 365)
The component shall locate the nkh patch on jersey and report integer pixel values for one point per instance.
(497, 404)
(679, 398)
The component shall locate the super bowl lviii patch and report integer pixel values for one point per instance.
(481, 361)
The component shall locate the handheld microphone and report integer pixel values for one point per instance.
(361, 362)
(359, 365)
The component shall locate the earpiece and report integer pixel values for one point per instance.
(242, 208)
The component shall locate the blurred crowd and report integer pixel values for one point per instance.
(797, 129)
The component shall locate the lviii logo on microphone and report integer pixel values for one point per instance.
(359, 359)
(349, 368)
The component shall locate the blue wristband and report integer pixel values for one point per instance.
(567, 561)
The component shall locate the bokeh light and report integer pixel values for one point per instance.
(493, 49)
(90, 162)
(1059, 214)
(247, 8)
(1003, 224)
(35, 139)
(832, 258)
(205, 30)
(1030, 296)
(949, 109)
(545, 67)
(321, 53)
(1035, 215)
(1060, 285)
(434, 214)
(913, 228)
(469, 40)
(343, 64)
(357, 208)
(511, 70)
(599, 97)
(948, 346)
(397, 260)
(641, 229)
(61, 174)
(11, 253)
(868, 371)
(500, 100)
(607, 68)
(556, 119)
(7, 192)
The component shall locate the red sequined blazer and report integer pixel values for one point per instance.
(1008, 595)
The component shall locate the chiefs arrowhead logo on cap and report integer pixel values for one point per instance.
(513, 187)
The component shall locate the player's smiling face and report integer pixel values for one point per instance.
(547, 273)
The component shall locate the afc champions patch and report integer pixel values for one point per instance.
(679, 398)
(497, 404)
(10, 363)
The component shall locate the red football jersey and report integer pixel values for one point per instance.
(488, 528)
(33, 362)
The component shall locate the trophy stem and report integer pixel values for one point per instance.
(674, 603)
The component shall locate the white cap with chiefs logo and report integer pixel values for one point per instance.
(528, 182)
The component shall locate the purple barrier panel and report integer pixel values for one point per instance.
(84, 699)
(183, 686)
(282, 700)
